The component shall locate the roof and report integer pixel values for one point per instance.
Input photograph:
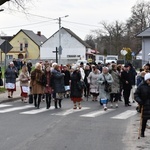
(144, 33)
(34, 37)
(73, 35)
(77, 37)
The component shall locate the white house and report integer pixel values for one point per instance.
(145, 36)
(73, 47)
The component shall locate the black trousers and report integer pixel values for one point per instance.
(126, 95)
(144, 122)
(114, 97)
(48, 100)
(39, 99)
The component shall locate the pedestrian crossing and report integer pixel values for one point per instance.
(85, 112)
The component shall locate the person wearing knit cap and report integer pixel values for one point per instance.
(142, 97)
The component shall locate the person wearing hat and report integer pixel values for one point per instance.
(11, 74)
(126, 82)
(75, 90)
(142, 97)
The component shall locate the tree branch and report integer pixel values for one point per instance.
(3, 1)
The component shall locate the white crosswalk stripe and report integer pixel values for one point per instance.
(37, 111)
(15, 109)
(125, 115)
(31, 110)
(4, 105)
(97, 113)
(70, 111)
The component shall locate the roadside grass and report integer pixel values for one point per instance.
(2, 89)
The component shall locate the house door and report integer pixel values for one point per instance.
(20, 56)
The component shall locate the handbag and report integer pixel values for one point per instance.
(1, 82)
(81, 85)
(30, 99)
(107, 86)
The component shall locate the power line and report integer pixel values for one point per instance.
(24, 25)
(56, 19)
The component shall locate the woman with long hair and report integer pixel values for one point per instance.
(37, 84)
(48, 86)
(24, 83)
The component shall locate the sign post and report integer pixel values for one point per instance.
(124, 53)
(56, 54)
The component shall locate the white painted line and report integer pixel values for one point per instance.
(15, 109)
(97, 113)
(37, 111)
(70, 111)
(4, 105)
(125, 115)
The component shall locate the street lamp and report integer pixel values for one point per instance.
(60, 48)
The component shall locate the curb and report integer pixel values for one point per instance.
(10, 100)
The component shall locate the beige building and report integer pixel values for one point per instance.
(26, 45)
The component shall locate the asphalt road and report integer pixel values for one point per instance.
(22, 127)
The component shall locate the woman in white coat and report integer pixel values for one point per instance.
(92, 80)
(104, 78)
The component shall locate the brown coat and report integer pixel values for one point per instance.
(24, 79)
(36, 86)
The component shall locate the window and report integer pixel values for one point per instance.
(21, 47)
(26, 45)
(9, 57)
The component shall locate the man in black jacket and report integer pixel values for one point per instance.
(142, 96)
(126, 81)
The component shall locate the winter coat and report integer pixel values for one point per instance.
(24, 79)
(66, 77)
(116, 84)
(100, 81)
(48, 82)
(58, 81)
(75, 91)
(92, 80)
(87, 72)
(11, 74)
(125, 76)
(142, 96)
(37, 82)
(132, 74)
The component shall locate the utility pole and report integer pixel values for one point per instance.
(60, 47)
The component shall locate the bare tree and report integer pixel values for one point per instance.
(18, 3)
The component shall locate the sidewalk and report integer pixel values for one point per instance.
(16, 96)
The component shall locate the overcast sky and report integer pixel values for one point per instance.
(84, 15)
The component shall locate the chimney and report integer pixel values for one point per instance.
(39, 33)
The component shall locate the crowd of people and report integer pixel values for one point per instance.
(110, 82)
(104, 83)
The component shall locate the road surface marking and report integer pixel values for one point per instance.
(125, 115)
(70, 111)
(37, 111)
(15, 109)
(97, 113)
(4, 105)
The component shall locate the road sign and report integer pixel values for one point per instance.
(133, 54)
(123, 52)
(6, 47)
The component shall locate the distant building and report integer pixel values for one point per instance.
(26, 45)
(73, 47)
(145, 35)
